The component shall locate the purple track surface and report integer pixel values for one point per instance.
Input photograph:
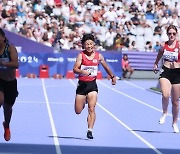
(44, 121)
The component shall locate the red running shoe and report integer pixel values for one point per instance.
(7, 133)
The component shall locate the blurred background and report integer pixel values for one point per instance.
(48, 32)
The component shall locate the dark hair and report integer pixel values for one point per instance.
(3, 34)
(87, 37)
(172, 27)
(125, 55)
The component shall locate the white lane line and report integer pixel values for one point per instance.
(39, 102)
(56, 141)
(119, 121)
(134, 85)
(128, 128)
(141, 102)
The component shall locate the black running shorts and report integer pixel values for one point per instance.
(85, 87)
(173, 75)
(9, 88)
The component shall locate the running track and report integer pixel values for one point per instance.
(44, 121)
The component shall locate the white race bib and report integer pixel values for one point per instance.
(92, 69)
(171, 56)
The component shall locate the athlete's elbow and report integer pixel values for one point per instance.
(15, 65)
(74, 70)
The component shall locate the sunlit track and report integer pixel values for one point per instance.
(38, 102)
(127, 127)
(134, 85)
(44, 120)
(56, 141)
(146, 104)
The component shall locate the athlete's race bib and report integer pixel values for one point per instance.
(91, 69)
(4, 60)
(170, 56)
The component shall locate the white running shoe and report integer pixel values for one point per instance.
(163, 118)
(175, 128)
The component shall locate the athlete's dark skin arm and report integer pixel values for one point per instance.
(14, 58)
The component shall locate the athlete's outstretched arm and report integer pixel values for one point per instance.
(159, 56)
(107, 69)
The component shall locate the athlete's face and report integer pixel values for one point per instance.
(89, 46)
(172, 34)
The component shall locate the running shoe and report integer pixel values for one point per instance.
(7, 133)
(175, 128)
(163, 118)
(89, 134)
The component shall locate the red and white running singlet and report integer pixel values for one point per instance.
(89, 65)
(172, 54)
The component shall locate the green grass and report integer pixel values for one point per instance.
(155, 89)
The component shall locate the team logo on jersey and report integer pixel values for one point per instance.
(94, 60)
(176, 50)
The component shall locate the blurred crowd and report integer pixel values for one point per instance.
(136, 25)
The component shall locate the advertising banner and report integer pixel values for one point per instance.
(62, 62)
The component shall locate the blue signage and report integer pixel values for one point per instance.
(62, 62)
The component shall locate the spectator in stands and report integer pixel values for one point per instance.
(133, 8)
(84, 13)
(118, 42)
(135, 20)
(149, 10)
(128, 26)
(24, 29)
(133, 46)
(96, 15)
(126, 67)
(157, 47)
(174, 20)
(126, 41)
(86, 66)
(110, 15)
(8, 83)
(169, 78)
(110, 35)
(165, 20)
(158, 10)
(148, 46)
(157, 29)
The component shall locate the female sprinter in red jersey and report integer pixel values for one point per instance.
(170, 75)
(86, 66)
(8, 82)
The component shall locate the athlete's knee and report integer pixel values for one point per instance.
(175, 103)
(166, 95)
(91, 109)
(77, 112)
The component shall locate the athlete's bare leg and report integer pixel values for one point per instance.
(7, 114)
(92, 99)
(79, 103)
(175, 101)
(166, 92)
